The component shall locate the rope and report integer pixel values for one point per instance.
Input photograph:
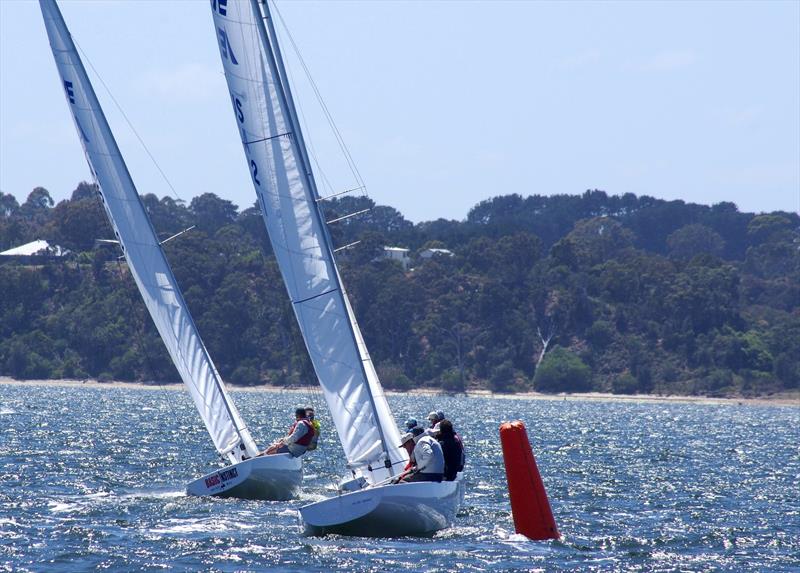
(138, 333)
(311, 149)
(133, 129)
(337, 134)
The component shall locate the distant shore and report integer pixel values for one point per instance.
(783, 399)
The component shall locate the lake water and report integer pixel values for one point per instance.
(92, 478)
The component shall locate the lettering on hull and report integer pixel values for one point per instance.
(217, 481)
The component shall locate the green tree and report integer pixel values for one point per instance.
(695, 239)
(37, 200)
(8, 204)
(591, 242)
(562, 371)
(765, 227)
(210, 212)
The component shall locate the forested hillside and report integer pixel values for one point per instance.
(561, 293)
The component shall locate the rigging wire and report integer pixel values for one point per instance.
(140, 334)
(132, 306)
(128, 121)
(337, 134)
(310, 144)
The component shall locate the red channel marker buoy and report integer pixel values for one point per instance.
(529, 504)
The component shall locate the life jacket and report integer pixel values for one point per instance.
(313, 445)
(309, 435)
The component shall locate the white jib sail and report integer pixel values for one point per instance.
(142, 249)
(351, 388)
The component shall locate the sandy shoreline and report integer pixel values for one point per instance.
(786, 399)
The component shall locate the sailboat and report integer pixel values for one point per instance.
(245, 475)
(367, 503)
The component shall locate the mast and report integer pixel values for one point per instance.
(142, 249)
(275, 59)
(280, 174)
(287, 90)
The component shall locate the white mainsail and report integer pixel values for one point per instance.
(143, 251)
(283, 182)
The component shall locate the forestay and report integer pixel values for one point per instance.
(360, 413)
(142, 249)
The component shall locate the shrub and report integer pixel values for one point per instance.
(245, 376)
(562, 371)
(625, 384)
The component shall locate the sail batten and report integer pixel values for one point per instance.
(142, 248)
(287, 196)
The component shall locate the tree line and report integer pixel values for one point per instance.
(590, 292)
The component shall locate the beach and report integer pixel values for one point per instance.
(790, 399)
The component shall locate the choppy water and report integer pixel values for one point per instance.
(93, 478)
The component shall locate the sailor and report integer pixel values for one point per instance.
(411, 423)
(433, 423)
(415, 431)
(317, 428)
(427, 456)
(452, 450)
(297, 440)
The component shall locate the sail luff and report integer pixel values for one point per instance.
(142, 249)
(273, 53)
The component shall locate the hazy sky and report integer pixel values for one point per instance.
(442, 104)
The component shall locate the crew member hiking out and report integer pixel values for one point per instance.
(297, 440)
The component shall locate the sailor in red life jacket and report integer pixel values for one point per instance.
(415, 431)
(297, 440)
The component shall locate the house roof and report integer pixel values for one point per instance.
(33, 248)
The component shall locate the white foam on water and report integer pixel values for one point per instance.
(313, 497)
(456, 531)
(257, 549)
(153, 494)
(7, 411)
(199, 525)
(56, 507)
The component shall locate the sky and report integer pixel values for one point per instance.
(442, 104)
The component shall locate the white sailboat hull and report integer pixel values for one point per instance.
(407, 509)
(276, 477)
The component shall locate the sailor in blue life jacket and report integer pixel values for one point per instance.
(427, 459)
(297, 440)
